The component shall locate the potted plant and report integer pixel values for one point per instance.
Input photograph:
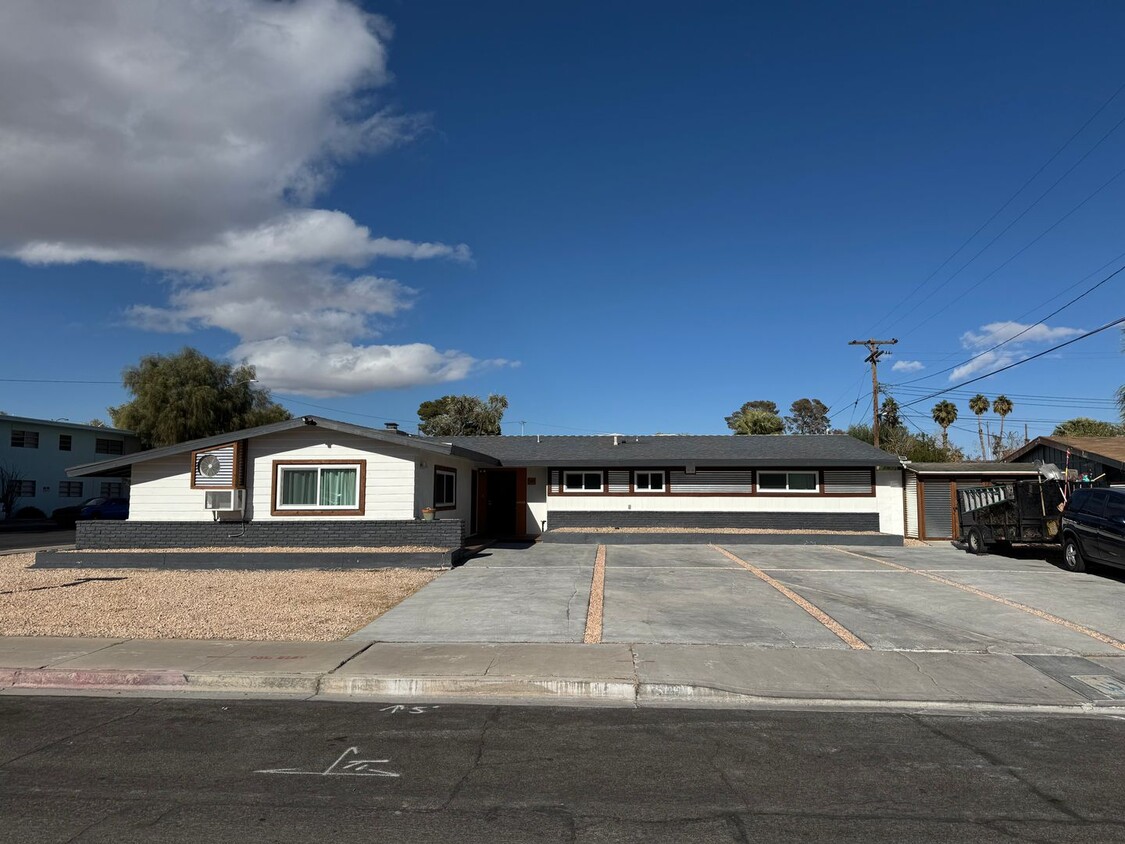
(428, 514)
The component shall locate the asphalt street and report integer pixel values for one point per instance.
(120, 770)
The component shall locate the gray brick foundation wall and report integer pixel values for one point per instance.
(775, 521)
(441, 533)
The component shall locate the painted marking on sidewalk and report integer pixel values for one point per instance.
(844, 634)
(593, 634)
(1016, 605)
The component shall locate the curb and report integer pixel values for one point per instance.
(704, 538)
(60, 678)
(415, 687)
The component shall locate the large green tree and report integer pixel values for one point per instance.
(807, 416)
(756, 417)
(452, 416)
(189, 395)
(945, 414)
(918, 448)
(1083, 426)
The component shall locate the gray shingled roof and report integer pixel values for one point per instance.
(104, 467)
(719, 450)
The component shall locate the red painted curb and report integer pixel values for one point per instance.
(58, 678)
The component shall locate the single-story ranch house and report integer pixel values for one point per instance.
(312, 481)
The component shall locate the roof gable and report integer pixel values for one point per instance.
(1104, 449)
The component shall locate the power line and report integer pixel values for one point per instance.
(1010, 199)
(1019, 252)
(1041, 321)
(1108, 325)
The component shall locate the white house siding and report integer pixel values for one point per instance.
(911, 505)
(389, 490)
(161, 489)
(536, 501)
(161, 492)
(888, 495)
(424, 485)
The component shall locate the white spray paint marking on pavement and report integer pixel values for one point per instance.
(340, 768)
(397, 708)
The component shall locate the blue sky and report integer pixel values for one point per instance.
(625, 217)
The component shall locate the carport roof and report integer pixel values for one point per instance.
(679, 450)
(970, 468)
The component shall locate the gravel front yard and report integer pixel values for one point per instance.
(146, 604)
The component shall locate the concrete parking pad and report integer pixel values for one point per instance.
(666, 556)
(491, 604)
(894, 610)
(699, 605)
(945, 558)
(1087, 599)
(537, 556)
(783, 557)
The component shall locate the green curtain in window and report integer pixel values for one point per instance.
(298, 486)
(338, 487)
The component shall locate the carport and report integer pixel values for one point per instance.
(930, 493)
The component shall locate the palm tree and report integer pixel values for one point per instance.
(945, 414)
(1001, 406)
(979, 405)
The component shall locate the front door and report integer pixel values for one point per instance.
(502, 502)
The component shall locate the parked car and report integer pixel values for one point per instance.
(65, 517)
(1093, 528)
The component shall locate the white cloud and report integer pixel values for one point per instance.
(993, 333)
(908, 366)
(192, 138)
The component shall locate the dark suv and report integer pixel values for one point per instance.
(1093, 528)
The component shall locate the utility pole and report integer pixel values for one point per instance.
(873, 358)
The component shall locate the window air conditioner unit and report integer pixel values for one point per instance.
(224, 499)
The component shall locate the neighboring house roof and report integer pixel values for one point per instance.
(659, 450)
(105, 467)
(1109, 450)
(970, 468)
(58, 423)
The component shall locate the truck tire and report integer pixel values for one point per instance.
(974, 539)
(1072, 555)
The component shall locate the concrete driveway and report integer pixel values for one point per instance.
(819, 597)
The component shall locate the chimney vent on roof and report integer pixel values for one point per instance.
(616, 440)
(391, 426)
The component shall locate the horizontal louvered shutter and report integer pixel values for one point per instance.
(555, 480)
(729, 481)
(618, 480)
(852, 481)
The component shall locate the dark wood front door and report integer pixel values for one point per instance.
(502, 502)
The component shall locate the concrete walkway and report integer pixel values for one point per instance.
(638, 674)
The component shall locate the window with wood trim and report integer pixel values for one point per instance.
(445, 488)
(649, 481)
(781, 482)
(25, 439)
(70, 489)
(582, 481)
(318, 488)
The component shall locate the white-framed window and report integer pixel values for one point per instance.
(112, 489)
(24, 489)
(70, 489)
(311, 486)
(649, 481)
(445, 488)
(103, 445)
(582, 481)
(801, 481)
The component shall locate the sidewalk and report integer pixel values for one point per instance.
(638, 675)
